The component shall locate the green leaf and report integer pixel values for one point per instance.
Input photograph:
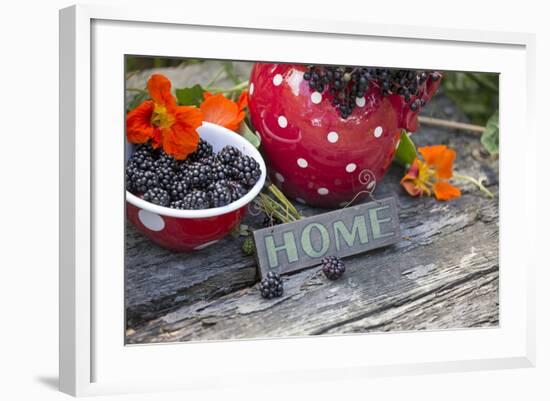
(489, 138)
(250, 136)
(475, 93)
(230, 71)
(406, 151)
(192, 96)
(136, 100)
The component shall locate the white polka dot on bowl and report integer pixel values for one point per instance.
(302, 162)
(150, 220)
(378, 131)
(282, 121)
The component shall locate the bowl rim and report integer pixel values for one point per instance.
(215, 211)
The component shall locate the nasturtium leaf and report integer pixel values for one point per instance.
(406, 151)
(192, 96)
(249, 135)
(489, 138)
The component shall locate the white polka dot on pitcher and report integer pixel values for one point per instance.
(378, 131)
(350, 168)
(322, 191)
(332, 137)
(282, 121)
(277, 79)
(316, 97)
(302, 162)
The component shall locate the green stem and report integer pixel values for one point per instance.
(235, 88)
(283, 199)
(136, 90)
(477, 183)
(216, 76)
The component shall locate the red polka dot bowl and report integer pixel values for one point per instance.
(192, 230)
(314, 155)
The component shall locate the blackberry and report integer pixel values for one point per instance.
(228, 154)
(248, 246)
(333, 267)
(140, 170)
(164, 170)
(198, 174)
(143, 157)
(271, 286)
(196, 200)
(204, 149)
(246, 170)
(157, 196)
(237, 189)
(347, 84)
(220, 171)
(139, 181)
(177, 204)
(219, 194)
(179, 187)
(270, 221)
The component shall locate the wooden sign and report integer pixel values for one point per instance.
(288, 247)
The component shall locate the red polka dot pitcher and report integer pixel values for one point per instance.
(316, 156)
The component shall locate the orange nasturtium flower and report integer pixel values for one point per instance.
(163, 122)
(431, 175)
(220, 110)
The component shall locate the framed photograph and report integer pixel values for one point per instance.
(317, 199)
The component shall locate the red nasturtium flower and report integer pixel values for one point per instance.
(163, 122)
(431, 175)
(220, 110)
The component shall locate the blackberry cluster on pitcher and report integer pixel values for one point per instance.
(204, 180)
(347, 84)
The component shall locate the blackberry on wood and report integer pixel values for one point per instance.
(271, 286)
(333, 267)
(270, 221)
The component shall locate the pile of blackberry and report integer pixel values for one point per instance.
(346, 84)
(202, 181)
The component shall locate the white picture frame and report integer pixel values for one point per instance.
(93, 358)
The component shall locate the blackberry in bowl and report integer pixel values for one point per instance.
(188, 205)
